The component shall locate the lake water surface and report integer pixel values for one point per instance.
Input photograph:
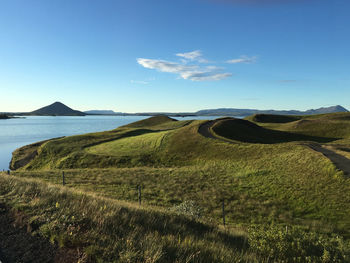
(15, 133)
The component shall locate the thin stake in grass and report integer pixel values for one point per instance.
(63, 179)
(140, 194)
(223, 212)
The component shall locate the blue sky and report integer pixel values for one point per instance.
(182, 55)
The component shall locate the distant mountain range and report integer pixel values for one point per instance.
(242, 112)
(101, 112)
(247, 112)
(59, 109)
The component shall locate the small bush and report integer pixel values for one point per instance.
(189, 208)
(297, 245)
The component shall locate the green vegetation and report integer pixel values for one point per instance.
(336, 125)
(267, 176)
(139, 145)
(112, 231)
(246, 131)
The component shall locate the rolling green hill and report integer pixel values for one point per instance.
(264, 172)
(246, 131)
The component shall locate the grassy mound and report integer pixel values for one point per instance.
(139, 145)
(271, 118)
(22, 156)
(152, 122)
(332, 125)
(246, 131)
(86, 150)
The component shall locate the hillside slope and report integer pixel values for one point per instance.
(93, 229)
(265, 185)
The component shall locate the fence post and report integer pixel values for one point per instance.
(140, 196)
(63, 179)
(8, 172)
(223, 212)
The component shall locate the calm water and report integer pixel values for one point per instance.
(15, 133)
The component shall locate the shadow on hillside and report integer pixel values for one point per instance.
(18, 245)
(272, 118)
(246, 131)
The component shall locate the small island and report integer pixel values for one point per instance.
(4, 117)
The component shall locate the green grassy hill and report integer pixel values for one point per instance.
(246, 131)
(267, 177)
(334, 125)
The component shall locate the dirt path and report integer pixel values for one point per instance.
(204, 130)
(342, 163)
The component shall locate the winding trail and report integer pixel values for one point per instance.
(204, 130)
(341, 163)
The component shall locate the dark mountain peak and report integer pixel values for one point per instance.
(58, 103)
(340, 108)
(332, 109)
(57, 109)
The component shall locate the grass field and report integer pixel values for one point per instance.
(138, 145)
(267, 177)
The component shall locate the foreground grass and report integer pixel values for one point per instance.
(112, 231)
(106, 230)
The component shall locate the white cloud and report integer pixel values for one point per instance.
(242, 59)
(164, 66)
(191, 72)
(205, 75)
(190, 55)
(193, 56)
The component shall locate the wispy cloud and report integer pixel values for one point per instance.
(205, 75)
(242, 59)
(190, 72)
(193, 55)
(139, 82)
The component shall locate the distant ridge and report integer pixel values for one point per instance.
(101, 112)
(247, 112)
(57, 109)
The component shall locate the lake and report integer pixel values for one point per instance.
(15, 133)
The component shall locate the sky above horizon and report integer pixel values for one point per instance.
(174, 56)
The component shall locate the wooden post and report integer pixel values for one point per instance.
(223, 212)
(63, 179)
(140, 196)
(8, 172)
